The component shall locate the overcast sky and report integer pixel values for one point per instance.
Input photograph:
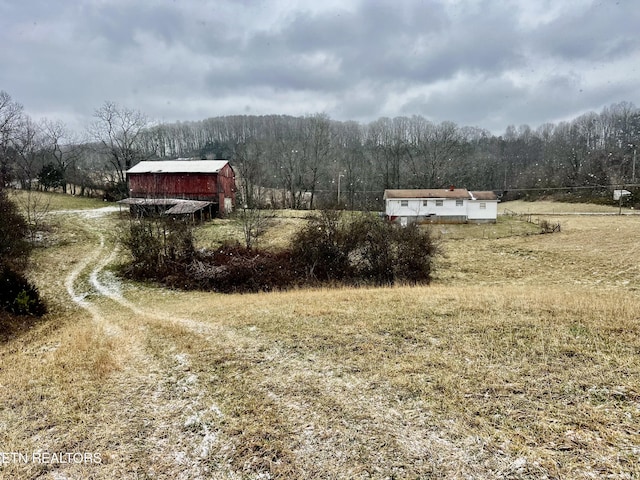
(480, 63)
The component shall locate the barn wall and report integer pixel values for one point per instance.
(193, 186)
(226, 188)
(213, 187)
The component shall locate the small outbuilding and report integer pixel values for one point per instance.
(452, 205)
(182, 186)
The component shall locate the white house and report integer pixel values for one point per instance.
(453, 205)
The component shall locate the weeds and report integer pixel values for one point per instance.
(330, 248)
(519, 360)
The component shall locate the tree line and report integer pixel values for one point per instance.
(311, 161)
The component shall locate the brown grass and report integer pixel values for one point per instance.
(521, 360)
(56, 201)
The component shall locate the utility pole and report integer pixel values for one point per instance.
(620, 201)
(340, 175)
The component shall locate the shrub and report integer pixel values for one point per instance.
(158, 246)
(239, 269)
(14, 247)
(321, 247)
(414, 253)
(370, 250)
(363, 249)
(333, 247)
(19, 296)
(144, 244)
(547, 227)
(115, 191)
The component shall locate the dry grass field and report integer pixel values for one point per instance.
(520, 361)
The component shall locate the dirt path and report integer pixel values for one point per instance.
(196, 397)
(154, 399)
(386, 439)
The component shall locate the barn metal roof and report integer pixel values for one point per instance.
(181, 165)
(179, 206)
(150, 201)
(189, 206)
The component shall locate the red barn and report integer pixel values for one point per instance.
(183, 186)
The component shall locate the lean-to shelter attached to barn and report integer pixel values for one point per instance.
(203, 188)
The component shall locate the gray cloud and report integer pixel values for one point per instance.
(475, 62)
(601, 32)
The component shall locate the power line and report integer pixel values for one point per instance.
(530, 189)
(582, 187)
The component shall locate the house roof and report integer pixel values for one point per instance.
(456, 193)
(485, 195)
(181, 165)
(428, 193)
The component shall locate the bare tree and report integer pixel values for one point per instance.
(388, 143)
(35, 206)
(315, 150)
(28, 144)
(61, 145)
(117, 130)
(11, 113)
(434, 147)
(248, 157)
(255, 222)
(349, 159)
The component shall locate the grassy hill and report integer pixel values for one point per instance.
(521, 360)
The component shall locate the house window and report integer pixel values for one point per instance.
(483, 205)
(439, 203)
(425, 203)
(459, 203)
(404, 203)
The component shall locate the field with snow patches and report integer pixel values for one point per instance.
(521, 360)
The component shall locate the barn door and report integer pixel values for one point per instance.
(228, 206)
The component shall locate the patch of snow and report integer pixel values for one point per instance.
(182, 359)
(215, 409)
(59, 476)
(89, 213)
(49, 347)
(192, 421)
(109, 284)
(519, 463)
(207, 442)
(181, 458)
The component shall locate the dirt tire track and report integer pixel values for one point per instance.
(188, 433)
(160, 397)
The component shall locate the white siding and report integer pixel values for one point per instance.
(476, 212)
(415, 207)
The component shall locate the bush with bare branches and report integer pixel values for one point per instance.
(333, 247)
